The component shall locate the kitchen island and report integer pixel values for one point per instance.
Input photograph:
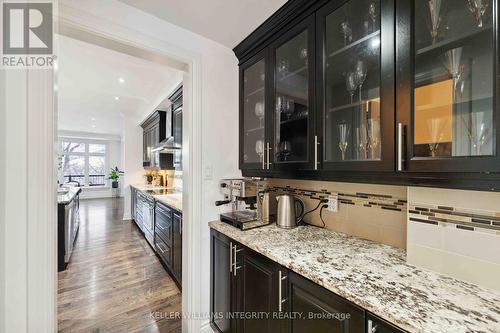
(376, 278)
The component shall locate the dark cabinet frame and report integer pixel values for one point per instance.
(262, 55)
(386, 163)
(474, 173)
(306, 24)
(405, 51)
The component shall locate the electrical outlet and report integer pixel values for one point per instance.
(333, 203)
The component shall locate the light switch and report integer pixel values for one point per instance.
(209, 172)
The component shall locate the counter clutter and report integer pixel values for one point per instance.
(377, 278)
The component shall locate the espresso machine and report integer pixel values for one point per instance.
(241, 194)
(252, 205)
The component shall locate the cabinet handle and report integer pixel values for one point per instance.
(280, 292)
(400, 146)
(268, 148)
(371, 328)
(263, 158)
(161, 249)
(316, 144)
(231, 257)
(235, 261)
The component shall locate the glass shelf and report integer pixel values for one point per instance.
(356, 43)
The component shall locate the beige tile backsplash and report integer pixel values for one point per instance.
(453, 232)
(373, 223)
(463, 242)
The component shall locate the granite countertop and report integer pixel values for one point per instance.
(64, 199)
(377, 278)
(173, 199)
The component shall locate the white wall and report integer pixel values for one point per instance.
(3, 147)
(219, 104)
(132, 159)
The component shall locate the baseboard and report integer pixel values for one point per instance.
(206, 328)
(127, 216)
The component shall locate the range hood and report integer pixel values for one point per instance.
(166, 146)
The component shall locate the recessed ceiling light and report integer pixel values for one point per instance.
(117, 98)
(121, 80)
(92, 118)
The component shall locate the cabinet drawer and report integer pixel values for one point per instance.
(163, 250)
(164, 226)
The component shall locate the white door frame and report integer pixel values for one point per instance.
(41, 240)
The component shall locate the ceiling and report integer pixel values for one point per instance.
(91, 95)
(225, 21)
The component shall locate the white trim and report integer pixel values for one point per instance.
(88, 136)
(41, 312)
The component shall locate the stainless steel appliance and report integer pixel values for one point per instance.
(266, 206)
(288, 211)
(237, 192)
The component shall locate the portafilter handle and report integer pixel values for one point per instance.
(222, 202)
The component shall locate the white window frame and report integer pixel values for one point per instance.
(86, 155)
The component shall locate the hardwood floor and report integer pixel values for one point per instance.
(114, 281)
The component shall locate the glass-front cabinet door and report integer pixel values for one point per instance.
(292, 54)
(253, 113)
(356, 85)
(447, 68)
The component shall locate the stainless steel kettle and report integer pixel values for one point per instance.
(288, 211)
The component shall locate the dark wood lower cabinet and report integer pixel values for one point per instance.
(221, 283)
(324, 311)
(253, 294)
(257, 284)
(177, 246)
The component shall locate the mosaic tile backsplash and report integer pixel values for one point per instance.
(456, 233)
(373, 212)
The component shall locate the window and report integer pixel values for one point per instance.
(84, 162)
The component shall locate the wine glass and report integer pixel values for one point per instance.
(283, 66)
(259, 148)
(259, 112)
(285, 149)
(372, 13)
(360, 74)
(478, 9)
(344, 130)
(374, 137)
(435, 12)
(435, 126)
(350, 81)
(345, 27)
(361, 139)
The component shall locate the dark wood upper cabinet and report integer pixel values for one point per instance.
(447, 79)
(293, 103)
(253, 117)
(355, 85)
(176, 110)
(380, 91)
(154, 131)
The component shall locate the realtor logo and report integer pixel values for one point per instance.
(27, 35)
(27, 28)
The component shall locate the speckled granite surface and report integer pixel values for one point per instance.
(173, 199)
(376, 277)
(66, 198)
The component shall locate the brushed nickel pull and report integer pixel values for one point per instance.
(371, 328)
(231, 257)
(280, 292)
(268, 148)
(316, 144)
(235, 263)
(400, 146)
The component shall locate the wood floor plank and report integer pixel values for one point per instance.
(115, 282)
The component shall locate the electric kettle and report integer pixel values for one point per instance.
(288, 211)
